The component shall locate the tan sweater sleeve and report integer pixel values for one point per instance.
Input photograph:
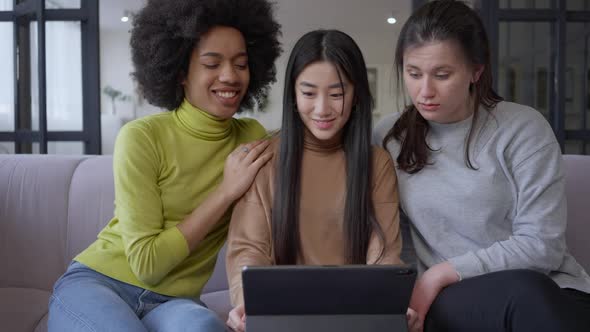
(249, 240)
(386, 207)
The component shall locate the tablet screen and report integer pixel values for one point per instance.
(327, 290)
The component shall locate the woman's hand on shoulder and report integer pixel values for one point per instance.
(241, 167)
(237, 319)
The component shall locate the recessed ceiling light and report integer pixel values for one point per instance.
(126, 16)
(391, 20)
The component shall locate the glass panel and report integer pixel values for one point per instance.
(524, 74)
(6, 147)
(577, 74)
(59, 4)
(65, 148)
(573, 147)
(7, 78)
(527, 4)
(64, 76)
(34, 77)
(578, 4)
(5, 4)
(577, 147)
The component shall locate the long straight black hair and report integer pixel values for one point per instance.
(437, 21)
(340, 50)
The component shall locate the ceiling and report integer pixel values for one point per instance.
(110, 12)
(354, 13)
(364, 20)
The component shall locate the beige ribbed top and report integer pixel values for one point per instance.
(322, 204)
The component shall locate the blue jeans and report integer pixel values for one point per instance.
(85, 300)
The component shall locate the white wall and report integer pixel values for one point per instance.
(115, 71)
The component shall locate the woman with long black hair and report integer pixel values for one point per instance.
(327, 196)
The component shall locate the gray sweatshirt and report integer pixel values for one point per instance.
(509, 213)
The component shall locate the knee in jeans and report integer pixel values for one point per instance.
(214, 323)
(206, 319)
(210, 320)
(60, 317)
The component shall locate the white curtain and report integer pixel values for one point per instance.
(64, 76)
(6, 77)
(5, 4)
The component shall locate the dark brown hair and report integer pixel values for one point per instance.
(436, 21)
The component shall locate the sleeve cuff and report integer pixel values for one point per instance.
(175, 243)
(467, 265)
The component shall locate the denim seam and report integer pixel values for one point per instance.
(72, 314)
(140, 304)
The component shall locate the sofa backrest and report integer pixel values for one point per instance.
(34, 200)
(52, 207)
(91, 203)
(577, 191)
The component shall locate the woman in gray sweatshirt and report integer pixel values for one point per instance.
(481, 181)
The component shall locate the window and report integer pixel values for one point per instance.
(541, 58)
(49, 86)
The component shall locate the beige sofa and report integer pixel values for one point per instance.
(52, 207)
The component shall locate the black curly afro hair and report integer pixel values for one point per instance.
(165, 33)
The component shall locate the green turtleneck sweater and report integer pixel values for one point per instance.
(165, 165)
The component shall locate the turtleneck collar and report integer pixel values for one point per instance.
(310, 142)
(202, 124)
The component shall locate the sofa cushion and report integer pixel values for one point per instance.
(218, 302)
(42, 326)
(21, 309)
(218, 280)
(34, 193)
(577, 191)
(91, 205)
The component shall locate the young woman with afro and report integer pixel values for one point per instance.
(176, 173)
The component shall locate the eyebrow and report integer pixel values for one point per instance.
(442, 67)
(333, 86)
(218, 55)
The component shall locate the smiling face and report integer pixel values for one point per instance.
(324, 102)
(437, 77)
(218, 74)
